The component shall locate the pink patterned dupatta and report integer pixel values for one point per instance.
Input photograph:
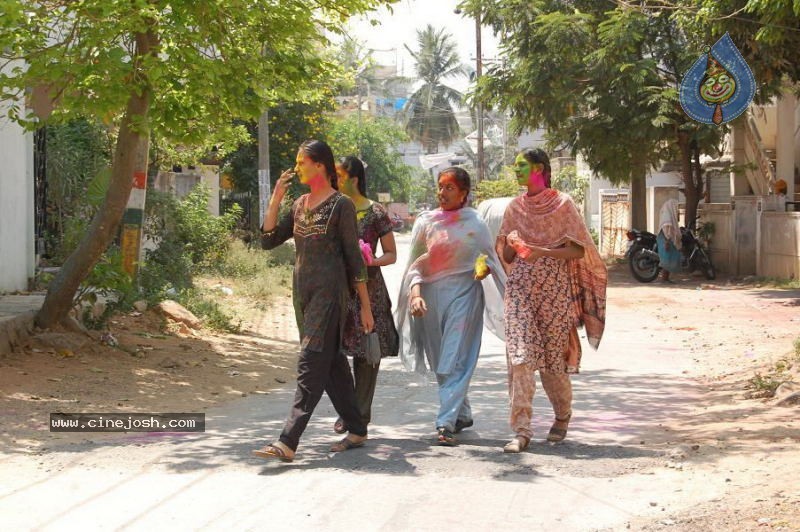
(550, 219)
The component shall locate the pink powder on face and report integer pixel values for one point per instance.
(536, 179)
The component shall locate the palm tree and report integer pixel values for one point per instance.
(431, 118)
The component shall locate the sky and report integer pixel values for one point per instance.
(399, 28)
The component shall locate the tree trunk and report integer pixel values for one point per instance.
(686, 175)
(692, 175)
(696, 188)
(639, 197)
(132, 140)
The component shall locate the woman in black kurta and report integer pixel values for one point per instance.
(328, 266)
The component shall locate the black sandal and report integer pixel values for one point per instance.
(445, 437)
(461, 425)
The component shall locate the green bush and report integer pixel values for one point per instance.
(568, 180)
(205, 235)
(595, 236)
(109, 280)
(186, 239)
(167, 265)
(499, 188)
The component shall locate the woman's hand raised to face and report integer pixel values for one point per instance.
(282, 185)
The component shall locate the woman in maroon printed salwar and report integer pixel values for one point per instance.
(374, 226)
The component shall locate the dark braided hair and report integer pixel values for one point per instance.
(355, 168)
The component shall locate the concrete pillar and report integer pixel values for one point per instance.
(739, 184)
(784, 168)
(797, 145)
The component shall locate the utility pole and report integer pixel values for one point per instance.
(478, 73)
(358, 113)
(264, 186)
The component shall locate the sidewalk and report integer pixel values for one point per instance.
(16, 319)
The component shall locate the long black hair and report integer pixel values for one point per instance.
(538, 156)
(462, 179)
(320, 152)
(355, 168)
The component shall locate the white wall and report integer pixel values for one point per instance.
(17, 254)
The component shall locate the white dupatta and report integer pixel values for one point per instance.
(445, 243)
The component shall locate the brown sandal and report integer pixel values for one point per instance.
(558, 432)
(346, 444)
(275, 450)
(517, 445)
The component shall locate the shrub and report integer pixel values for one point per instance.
(204, 235)
(568, 180)
(207, 309)
(184, 238)
(500, 188)
(109, 280)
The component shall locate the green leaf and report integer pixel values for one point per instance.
(98, 187)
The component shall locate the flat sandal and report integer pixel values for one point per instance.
(517, 445)
(558, 434)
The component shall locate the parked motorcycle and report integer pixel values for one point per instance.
(642, 255)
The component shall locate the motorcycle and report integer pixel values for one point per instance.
(642, 255)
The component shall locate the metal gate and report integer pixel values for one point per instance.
(615, 215)
(40, 190)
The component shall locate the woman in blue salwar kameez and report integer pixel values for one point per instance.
(443, 294)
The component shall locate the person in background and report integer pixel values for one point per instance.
(780, 191)
(669, 240)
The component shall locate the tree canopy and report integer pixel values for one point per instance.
(431, 116)
(375, 141)
(181, 69)
(602, 80)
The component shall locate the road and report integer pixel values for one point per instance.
(639, 408)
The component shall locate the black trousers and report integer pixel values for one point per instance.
(366, 377)
(327, 371)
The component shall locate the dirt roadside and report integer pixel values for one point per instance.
(157, 366)
(732, 331)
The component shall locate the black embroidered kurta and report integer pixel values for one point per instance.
(327, 263)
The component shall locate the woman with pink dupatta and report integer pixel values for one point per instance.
(556, 283)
